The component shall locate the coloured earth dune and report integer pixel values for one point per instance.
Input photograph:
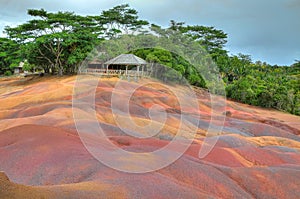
(257, 154)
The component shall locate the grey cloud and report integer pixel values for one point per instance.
(293, 4)
(267, 29)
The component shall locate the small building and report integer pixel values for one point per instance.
(128, 63)
(122, 65)
(95, 65)
(19, 69)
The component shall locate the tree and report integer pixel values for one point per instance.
(59, 42)
(210, 38)
(119, 20)
(55, 38)
(10, 55)
(180, 68)
(28, 67)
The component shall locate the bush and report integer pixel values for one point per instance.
(8, 73)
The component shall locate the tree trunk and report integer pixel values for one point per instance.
(60, 71)
(46, 70)
(52, 70)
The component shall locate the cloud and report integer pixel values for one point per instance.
(293, 4)
(266, 29)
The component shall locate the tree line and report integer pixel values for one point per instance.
(59, 42)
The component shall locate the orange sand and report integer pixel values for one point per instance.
(257, 154)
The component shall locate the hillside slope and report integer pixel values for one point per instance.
(257, 154)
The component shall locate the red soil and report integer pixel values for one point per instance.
(256, 156)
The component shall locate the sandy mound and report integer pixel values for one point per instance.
(257, 154)
(11, 190)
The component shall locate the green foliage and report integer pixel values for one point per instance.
(28, 67)
(266, 86)
(212, 39)
(8, 73)
(56, 41)
(182, 67)
(120, 19)
(10, 55)
(59, 42)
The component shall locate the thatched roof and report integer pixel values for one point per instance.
(95, 62)
(21, 64)
(126, 59)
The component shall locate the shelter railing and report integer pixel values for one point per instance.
(114, 72)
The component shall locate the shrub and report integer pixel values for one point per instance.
(8, 73)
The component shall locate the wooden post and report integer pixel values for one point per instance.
(151, 69)
(138, 71)
(107, 69)
(142, 70)
(126, 72)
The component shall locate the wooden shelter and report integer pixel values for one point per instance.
(19, 69)
(122, 65)
(127, 62)
(95, 65)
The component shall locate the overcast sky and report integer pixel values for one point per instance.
(268, 30)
